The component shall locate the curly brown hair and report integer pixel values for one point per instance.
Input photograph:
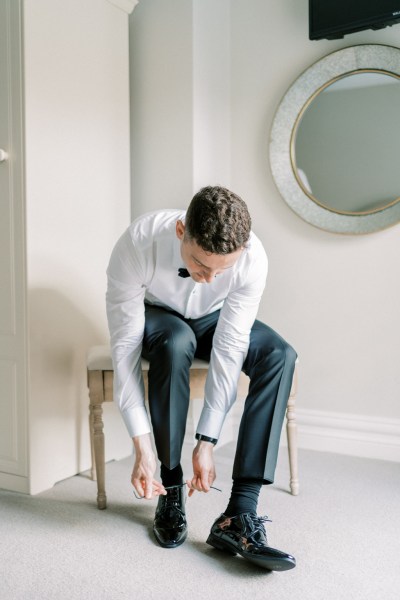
(218, 220)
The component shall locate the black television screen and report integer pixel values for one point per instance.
(332, 19)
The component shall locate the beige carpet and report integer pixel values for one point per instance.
(343, 528)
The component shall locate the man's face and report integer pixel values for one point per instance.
(203, 266)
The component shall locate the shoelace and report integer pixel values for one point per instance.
(258, 523)
(174, 487)
(171, 500)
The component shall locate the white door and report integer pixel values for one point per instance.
(13, 361)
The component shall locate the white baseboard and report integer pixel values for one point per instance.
(14, 483)
(324, 431)
(354, 435)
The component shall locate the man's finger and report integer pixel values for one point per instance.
(159, 488)
(148, 488)
(204, 482)
(137, 484)
(191, 487)
(196, 484)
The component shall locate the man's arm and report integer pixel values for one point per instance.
(144, 468)
(230, 346)
(125, 314)
(203, 468)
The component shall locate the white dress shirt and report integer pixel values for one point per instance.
(144, 267)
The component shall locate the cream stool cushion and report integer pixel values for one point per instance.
(99, 359)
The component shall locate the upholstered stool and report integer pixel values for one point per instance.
(100, 383)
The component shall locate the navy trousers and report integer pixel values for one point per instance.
(171, 342)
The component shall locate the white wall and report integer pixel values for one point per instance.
(211, 93)
(161, 96)
(333, 297)
(77, 194)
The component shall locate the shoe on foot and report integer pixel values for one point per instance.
(170, 526)
(245, 535)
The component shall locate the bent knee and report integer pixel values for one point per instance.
(284, 354)
(177, 345)
(290, 354)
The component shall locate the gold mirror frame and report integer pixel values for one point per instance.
(355, 59)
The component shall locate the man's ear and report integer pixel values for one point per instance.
(180, 230)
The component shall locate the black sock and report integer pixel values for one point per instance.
(244, 497)
(171, 476)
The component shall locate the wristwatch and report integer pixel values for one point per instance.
(205, 438)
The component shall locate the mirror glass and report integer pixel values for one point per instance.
(346, 143)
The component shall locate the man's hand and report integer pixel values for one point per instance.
(203, 468)
(144, 468)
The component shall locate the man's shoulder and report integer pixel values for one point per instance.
(255, 248)
(155, 224)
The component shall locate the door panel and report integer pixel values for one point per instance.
(13, 403)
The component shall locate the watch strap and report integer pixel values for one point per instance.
(205, 438)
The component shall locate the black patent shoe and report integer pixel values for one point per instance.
(245, 535)
(170, 526)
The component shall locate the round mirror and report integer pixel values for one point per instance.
(335, 141)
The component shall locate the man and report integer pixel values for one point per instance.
(185, 285)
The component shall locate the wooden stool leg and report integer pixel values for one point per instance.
(96, 395)
(291, 431)
(93, 475)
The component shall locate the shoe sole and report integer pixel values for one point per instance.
(174, 545)
(272, 564)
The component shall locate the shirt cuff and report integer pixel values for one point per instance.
(210, 422)
(136, 420)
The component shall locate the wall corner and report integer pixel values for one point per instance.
(127, 6)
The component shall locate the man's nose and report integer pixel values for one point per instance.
(210, 275)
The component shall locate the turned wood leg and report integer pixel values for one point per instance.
(291, 431)
(93, 475)
(99, 456)
(96, 395)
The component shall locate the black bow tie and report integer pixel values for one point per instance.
(183, 273)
